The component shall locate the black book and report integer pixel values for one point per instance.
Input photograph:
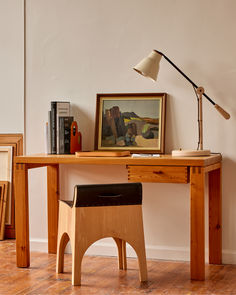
(58, 108)
(64, 134)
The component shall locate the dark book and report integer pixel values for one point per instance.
(58, 108)
(64, 134)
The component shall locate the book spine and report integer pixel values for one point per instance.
(63, 110)
(53, 127)
(67, 130)
(46, 139)
(61, 135)
(49, 133)
(57, 133)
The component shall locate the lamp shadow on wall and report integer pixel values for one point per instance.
(171, 133)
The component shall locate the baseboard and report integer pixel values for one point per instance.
(109, 249)
(39, 245)
(152, 252)
(229, 257)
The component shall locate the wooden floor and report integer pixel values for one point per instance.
(100, 275)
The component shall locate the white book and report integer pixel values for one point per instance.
(49, 133)
(46, 138)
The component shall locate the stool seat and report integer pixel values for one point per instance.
(99, 211)
(108, 194)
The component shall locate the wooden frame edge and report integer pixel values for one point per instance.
(113, 95)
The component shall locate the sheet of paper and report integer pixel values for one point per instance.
(145, 155)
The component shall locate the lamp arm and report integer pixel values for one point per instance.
(218, 108)
(183, 74)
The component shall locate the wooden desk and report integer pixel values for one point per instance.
(164, 169)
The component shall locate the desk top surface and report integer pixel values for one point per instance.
(165, 160)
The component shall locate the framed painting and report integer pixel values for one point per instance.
(130, 121)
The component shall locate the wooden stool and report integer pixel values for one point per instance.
(101, 211)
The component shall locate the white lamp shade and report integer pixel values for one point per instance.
(149, 66)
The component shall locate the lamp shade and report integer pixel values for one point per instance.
(149, 66)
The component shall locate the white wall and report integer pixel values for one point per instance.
(78, 48)
(11, 66)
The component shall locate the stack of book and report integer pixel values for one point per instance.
(59, 128)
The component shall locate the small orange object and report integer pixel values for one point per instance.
(75, 138)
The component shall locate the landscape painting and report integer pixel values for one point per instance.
(133, 122)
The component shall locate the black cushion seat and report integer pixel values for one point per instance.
(115, 194)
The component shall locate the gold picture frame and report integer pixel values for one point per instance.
(130, 121)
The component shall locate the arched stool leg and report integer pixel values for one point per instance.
(121, 253)
(61, 245)
(142, 263)
(124, 257)
(119, 248)
(77, 256)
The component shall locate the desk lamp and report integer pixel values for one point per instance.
(149, 67)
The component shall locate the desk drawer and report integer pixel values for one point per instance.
(176, 174)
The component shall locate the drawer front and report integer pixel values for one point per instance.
(168, 174)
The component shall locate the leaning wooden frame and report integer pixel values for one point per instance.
(3, 204)
(130, 121)
(6, 167)
(14, 140)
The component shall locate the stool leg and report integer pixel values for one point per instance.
(121, 246)
(142, 262)
(124, 258)
(61, 245)
(77, 257)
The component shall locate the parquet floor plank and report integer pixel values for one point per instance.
(100, 276)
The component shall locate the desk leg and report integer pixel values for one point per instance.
(53, 197)
(197, 262)
(22, 216)
(215, 216)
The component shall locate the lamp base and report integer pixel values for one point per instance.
(190, 153)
